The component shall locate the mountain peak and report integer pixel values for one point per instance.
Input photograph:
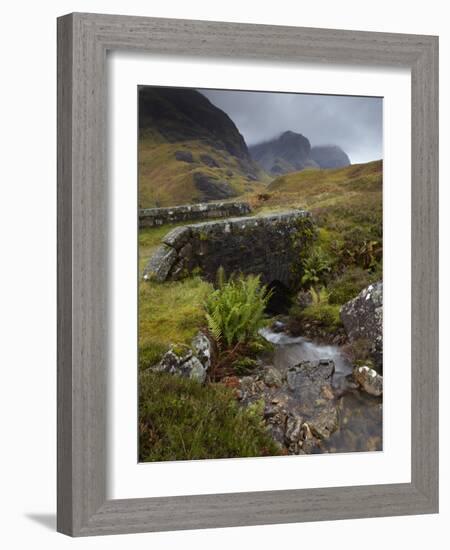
(292, 151)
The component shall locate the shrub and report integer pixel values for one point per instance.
(320, 313)
(349, 284)
(235, 310)
(180, 419)
(325, 316)
(361, 247)
(315, 268)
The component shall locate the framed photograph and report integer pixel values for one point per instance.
(247, 274)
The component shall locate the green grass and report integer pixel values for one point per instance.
(169, 313)
(181, 420)
(165, 181)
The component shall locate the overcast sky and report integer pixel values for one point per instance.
(353, 123)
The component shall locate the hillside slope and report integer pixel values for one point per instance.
(190, 151)
(347, 206)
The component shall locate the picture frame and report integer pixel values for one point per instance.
(83, 508)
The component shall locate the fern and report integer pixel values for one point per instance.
(235, 310)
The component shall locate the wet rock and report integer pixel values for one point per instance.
(300, 409)
(369, 380)
(278, 326)
(184, 156)
(272, 377)
(325, 421)
(362, 318)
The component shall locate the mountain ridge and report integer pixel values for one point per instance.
(292, 152)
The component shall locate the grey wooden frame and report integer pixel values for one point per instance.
(83, 40)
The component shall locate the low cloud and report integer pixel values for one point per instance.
(353, 123)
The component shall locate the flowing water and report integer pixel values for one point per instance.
(361, 421)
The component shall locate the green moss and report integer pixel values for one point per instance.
(182, 420)
(171, 312)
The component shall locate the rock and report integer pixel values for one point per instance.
(195, 369)
(160, 263)
(329, 156)
(300, 409)
(369, 380)
(293, 429)
(209, 161)
(178, 237)
(325, 422)
(362, 318)
(203, 350)
(272, 377)
(212, 188)
(184, 156)
(278, 326)
(182, 362)
(307, 378)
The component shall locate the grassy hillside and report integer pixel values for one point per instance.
(190, 150)
(166, 181)
(347, 206)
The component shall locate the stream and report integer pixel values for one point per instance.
(360, 415)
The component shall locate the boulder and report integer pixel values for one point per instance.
(202, 348)
(368, 380)
(209, 161)
(362, 318)
(181, 361)
(272, 377)
(210, 188)
(184, 156)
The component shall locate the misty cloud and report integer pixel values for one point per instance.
(353, 123)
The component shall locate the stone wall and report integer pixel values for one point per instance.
(151, 217)
(266, 245)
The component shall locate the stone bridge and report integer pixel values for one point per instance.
(266, 245)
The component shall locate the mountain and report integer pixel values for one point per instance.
(329, 156)
(190, 151)
(291, 152)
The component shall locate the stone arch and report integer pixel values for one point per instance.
(266, 245)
